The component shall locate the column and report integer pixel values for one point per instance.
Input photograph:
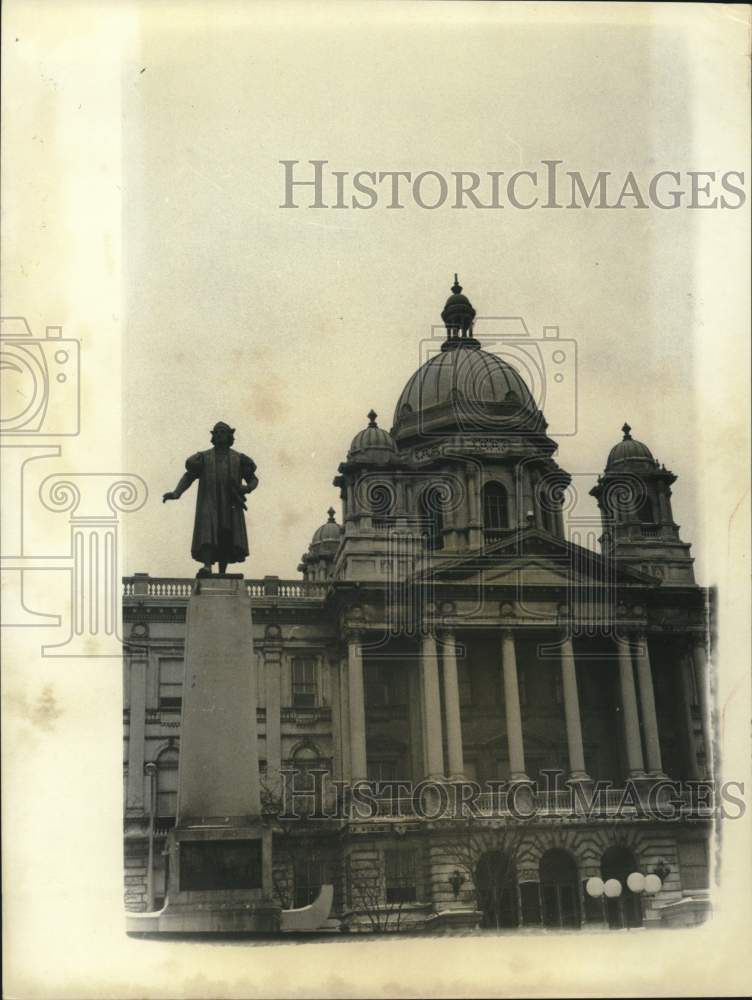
(663, 506)
(357, 709)
(136, 734)
(153, 775)
(455, 763)
(273, 679)
(686, 689)
(344, 717)
(475, 514)
(629, 709)
(512, 708)
(647, 706)
(525, 499)
(577, 770)
(699, 663)
(431, 708)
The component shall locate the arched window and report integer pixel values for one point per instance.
(625, 910)
(167, 784)
(431, 510)
(559, 888)
(495, 508)
(304, 788)
(496, 887)
(305, 760)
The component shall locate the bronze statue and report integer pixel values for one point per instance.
(219, 533)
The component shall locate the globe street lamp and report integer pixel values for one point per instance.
(636, 882)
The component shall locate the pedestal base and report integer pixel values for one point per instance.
(219, 881)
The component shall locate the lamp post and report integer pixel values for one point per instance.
(636, 882)
(151, 771)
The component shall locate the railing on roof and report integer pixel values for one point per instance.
(175, 588)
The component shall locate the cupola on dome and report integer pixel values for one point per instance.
(464, 385)
(372, 444)
(629, 450)
(330, 531)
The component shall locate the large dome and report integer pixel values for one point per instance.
(467, 387)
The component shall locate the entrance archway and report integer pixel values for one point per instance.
(496, 886)
(626, 909)
(560, 889)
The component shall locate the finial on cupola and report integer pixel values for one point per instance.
(458, 316)
(372, 418)
(330, 512)
(627, 432)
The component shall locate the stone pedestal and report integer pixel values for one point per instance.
(220, 852)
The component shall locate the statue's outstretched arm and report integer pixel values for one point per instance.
(191, 472)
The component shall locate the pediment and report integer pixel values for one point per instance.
(533, 558)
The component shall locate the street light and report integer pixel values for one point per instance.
(636, 882)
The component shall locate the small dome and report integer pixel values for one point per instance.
(629, 450)
(373, 443)
(328, 532)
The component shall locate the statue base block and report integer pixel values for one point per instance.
(220, 882)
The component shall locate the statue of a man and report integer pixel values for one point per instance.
(225, 477)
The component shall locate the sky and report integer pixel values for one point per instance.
(290, 324)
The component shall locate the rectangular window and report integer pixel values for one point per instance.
(170, 683)
(693, 864)
(304, 682)
(384, 685)
(401, 875)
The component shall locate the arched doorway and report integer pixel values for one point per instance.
(560, 889)
(496, 886)
(626, 909)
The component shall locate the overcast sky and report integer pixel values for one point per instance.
(292, 324)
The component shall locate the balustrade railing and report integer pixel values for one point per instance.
(177, 589)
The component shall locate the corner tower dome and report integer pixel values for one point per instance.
(373, 444)
(463, 386)
(330, 531)
(628, 450)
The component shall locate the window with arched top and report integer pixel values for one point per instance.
(495, 508)
(167, 783)
(559, 889)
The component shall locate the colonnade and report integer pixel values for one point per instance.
(641, 736)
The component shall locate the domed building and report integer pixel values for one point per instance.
(451, 634)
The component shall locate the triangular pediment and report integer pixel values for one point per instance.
(533, 558)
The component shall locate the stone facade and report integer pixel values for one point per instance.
(451, 629)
